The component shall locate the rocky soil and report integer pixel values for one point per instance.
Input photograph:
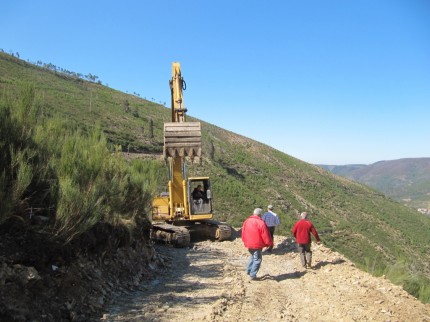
(43, 280)
(207, 282)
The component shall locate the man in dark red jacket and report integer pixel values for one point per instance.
(302, 232)
(255, 236)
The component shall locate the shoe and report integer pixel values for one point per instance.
(255, 278)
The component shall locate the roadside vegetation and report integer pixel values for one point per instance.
(62, 141)
(66, 173)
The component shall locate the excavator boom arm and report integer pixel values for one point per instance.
(177, 85)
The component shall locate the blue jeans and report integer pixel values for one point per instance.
(254, 262)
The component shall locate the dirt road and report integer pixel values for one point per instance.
(208, 283)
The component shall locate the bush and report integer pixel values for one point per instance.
(18, 168)
(51, 163)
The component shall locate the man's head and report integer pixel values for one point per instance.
(270, 207)
(304, 215)
(258, 211)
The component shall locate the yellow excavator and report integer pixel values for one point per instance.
(185, 209)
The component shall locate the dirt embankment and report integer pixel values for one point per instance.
(208, 283)
(44, 279)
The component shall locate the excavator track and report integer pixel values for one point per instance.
(212, 229)
(223, 232)
(180, 236)
(169, 234)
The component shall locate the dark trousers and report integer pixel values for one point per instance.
(305, 254)
(272, 231)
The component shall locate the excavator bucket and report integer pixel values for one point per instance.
(182, 139)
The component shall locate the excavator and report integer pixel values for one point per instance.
(185, 209)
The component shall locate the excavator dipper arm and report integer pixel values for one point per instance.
(181, 138)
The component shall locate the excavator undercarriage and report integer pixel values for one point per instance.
(181, 236)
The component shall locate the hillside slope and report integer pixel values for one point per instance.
(370, 229)
(405, 180)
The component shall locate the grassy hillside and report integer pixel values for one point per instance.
(405, 180)
(378, 234)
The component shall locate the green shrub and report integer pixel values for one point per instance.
(412, 286)
(50, 163)
(425, 292)
(18, 164)
(96, 184)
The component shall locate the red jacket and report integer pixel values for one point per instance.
(255, 234)
(302, 231)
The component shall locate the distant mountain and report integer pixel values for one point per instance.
(405, 180)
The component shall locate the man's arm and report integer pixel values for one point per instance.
(294, 230)
(315, 233)
(265, 234)
(244, 233)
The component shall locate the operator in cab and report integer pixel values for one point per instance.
(198, 193)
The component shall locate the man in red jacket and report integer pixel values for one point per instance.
(255, 236)
(302, 232)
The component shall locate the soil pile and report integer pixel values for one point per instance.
(44, 279)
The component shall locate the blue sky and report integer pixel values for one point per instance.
(331, 82)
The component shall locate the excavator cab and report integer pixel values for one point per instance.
(200, 196)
